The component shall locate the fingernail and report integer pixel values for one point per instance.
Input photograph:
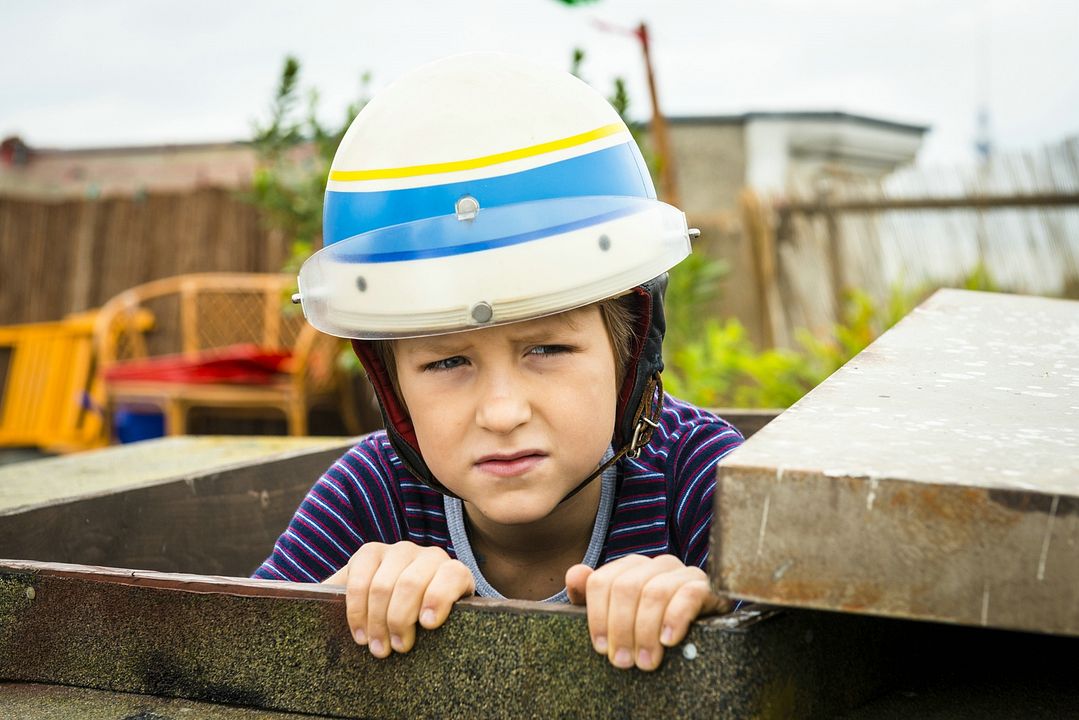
(623, 659)
(667, 634)
(427, 617)
(376, 647)
(600, 644)
(644, 658)
(395, 642)
(361, 636)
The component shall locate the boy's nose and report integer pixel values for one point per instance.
(503, 408)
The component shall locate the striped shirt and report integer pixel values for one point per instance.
(663, 501)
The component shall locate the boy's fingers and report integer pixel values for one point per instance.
(361, 567)
(451, 582)
(622, 607)
(692, 599)
(408, 592)
(577, 582)
(597, 598)
(651, 611)
(394, 562)
(338, 578)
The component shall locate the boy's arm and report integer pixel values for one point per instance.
(691, 482)
(351, 504)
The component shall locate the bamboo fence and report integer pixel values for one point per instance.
(60, 257)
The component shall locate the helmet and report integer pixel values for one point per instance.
(482, 189)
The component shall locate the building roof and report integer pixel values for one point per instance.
(800, 116)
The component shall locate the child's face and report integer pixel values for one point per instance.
(512, 418)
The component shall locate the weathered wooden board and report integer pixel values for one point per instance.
(34, 701)
(206, 505)
(935, 476)
(286, 647)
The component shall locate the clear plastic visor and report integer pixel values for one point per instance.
(503, 264)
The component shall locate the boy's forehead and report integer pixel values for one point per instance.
(518, 331)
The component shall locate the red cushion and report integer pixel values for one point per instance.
(242, 364)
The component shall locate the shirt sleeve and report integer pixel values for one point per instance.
(352, 503)
(691, 475)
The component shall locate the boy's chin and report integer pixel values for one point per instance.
(510, 513)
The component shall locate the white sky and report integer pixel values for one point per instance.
(119, 72)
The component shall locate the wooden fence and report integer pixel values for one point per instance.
(790, 260)
(59, 257)
(1015, 217)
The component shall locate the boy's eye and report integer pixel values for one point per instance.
(445, 363)
(548, 349)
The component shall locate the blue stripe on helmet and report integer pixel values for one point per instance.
(496, 227)
(614, 171)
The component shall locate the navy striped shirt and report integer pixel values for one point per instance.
(663, 502)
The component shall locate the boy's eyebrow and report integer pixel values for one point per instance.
(438, 344)
(550, 330)
(554, 323)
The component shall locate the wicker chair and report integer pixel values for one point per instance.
(196, 317)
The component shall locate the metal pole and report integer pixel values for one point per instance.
(667, 182)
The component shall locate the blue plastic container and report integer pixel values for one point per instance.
(131, 425)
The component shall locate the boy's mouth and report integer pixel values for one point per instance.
(510, 464)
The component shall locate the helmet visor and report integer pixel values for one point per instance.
(499, 265)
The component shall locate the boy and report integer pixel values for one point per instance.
(495, 251)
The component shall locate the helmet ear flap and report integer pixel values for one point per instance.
(646, 360)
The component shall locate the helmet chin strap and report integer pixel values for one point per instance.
(645, 421)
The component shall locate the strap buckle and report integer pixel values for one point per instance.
(638, 442)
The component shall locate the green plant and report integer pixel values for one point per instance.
(295, 150)
(692, 286)
(720, 367)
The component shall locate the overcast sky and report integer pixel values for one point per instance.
(119, 72)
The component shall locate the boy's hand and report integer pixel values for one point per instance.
(638, 605)
(390, 587)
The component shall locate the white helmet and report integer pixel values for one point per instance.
(483, 189)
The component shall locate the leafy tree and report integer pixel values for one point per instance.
(295, 150)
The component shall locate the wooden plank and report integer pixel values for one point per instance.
(932, 477)
(35, 701)
(286, 647)
(209, 505)
(748, 421)
(967, 202)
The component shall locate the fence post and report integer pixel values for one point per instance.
(835, 253)
(762, 244)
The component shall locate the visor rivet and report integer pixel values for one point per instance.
(361, 284)
(467, 207)
(604, 243)
(482, 312)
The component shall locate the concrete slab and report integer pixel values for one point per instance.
(211, 505)
(935, 476)
(123, 467)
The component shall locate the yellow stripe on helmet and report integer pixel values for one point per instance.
(479, 162)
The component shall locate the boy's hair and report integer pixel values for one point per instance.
(619, 319)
